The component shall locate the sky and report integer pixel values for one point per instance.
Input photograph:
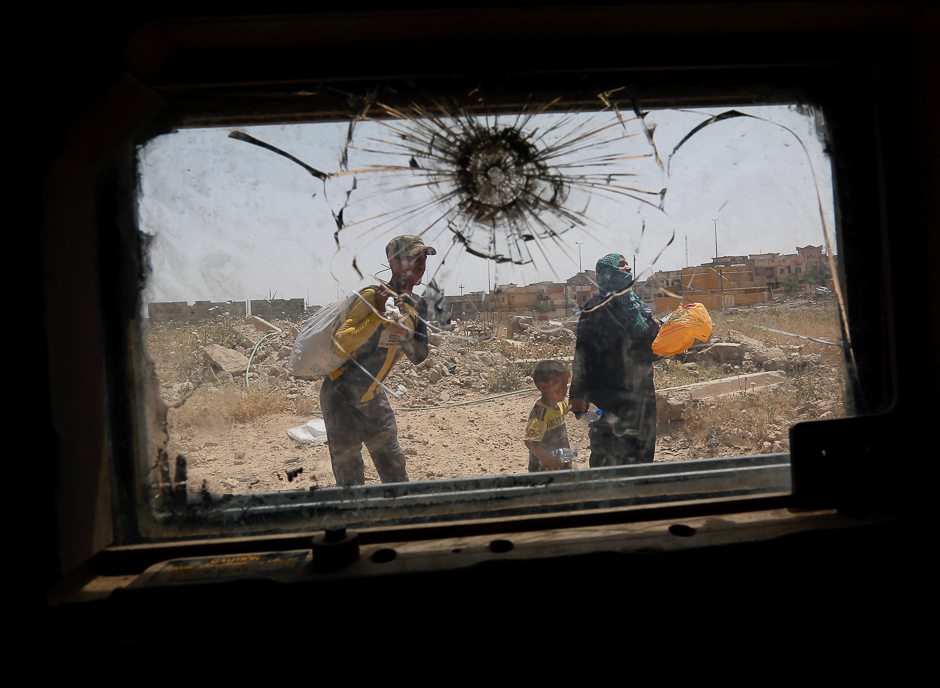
(234, 221)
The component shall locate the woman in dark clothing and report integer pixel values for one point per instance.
(613, 369)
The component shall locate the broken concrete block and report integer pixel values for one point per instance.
(517, 325)
(732, 385)
(226, 360)
(261, 324)
(721, 352)
(757, 350)
(672, 402)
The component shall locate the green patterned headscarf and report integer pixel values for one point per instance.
(611, 279)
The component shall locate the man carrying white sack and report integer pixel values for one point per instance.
(355, 407)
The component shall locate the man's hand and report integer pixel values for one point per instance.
(543, 455)
(381, 296)
(577, 405)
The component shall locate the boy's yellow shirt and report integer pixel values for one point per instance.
(547, 425)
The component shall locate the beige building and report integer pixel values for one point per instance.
(469, 306)
(543, 300)
(725, 281)
(511, 299)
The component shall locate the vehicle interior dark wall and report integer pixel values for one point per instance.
(862, 478)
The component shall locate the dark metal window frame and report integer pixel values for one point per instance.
(833, 87)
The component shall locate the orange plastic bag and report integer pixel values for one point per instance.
(683, 326)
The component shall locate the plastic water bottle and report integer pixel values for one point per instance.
(592, 415)
(564, 454)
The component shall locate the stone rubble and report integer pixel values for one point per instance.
(456, 370)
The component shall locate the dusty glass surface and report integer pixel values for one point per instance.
(732, 208)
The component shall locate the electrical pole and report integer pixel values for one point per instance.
(716, 237)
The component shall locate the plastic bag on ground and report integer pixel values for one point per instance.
(683, 326)
(312, 432)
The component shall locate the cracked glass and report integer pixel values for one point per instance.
(534, 217)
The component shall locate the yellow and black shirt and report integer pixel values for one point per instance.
(547, 425)
(374, 345)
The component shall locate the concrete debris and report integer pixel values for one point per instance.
(518, 325)
(673, 402)
(515, 343)
(720, 353)
(550, 332)
(261, 324)
(757, 350)
(729, 385)
(227, 360)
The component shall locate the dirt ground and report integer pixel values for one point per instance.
(456, 442)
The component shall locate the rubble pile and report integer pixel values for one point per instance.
(456, 368)
(453, 371)
(525, 329)
(748, 355)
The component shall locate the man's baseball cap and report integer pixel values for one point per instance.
(408, 245)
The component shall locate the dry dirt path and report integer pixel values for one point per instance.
(454, 442)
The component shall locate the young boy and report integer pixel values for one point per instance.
(546, 429)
